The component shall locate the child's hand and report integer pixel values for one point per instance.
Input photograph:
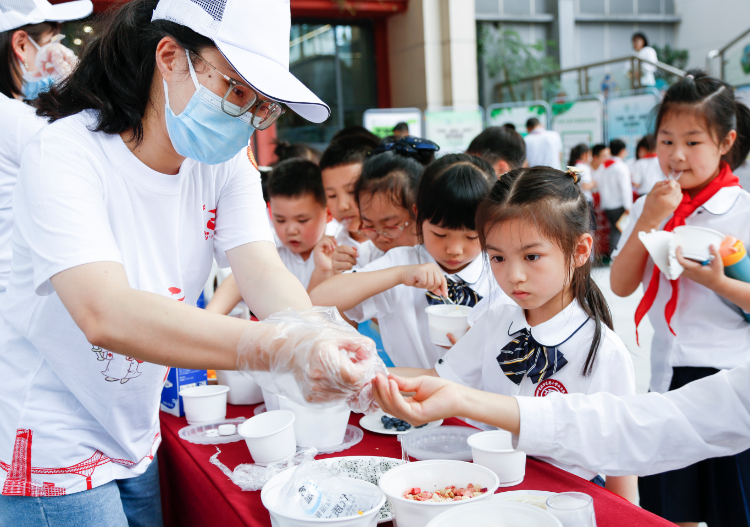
(709, 276)
(323, 254)
(662, 201)
(344, 258)
(434, 398)
(426, 276)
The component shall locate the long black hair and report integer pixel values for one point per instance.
(553, 202)
(115, 72)
(714, 102)
(11, 76)
(577, 152)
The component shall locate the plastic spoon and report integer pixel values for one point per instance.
(672, 177)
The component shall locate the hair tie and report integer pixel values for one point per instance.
(689, 76)
(574, 172)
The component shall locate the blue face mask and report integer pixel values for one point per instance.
(32, 89)
(203, 131)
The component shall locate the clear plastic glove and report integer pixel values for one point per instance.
(311, 356)
(55, 60)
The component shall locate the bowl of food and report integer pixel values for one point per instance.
(422, 490)
(494, 450)
(496, 514)
(447, 318)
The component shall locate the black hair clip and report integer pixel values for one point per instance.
(409, 146)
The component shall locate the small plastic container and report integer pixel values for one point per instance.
(318, 427)
(227, 430)
(242, 388)
(269, 436)
(494, 450)
(696, 240)
(271, 400)
(444, 319)
(442, 442)
(488, 512)
(205, 404)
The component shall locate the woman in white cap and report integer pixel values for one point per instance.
(143, 176)
(31, 60)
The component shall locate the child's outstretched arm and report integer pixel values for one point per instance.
(628, 267)
(346, 291)
(226, 296)
(323, 257)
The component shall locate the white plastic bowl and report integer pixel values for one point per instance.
(695, 241)
(494, 450)
(269, 436)
(318, 427)
(429, 476)
(269, 497)
(496, 513)
(444, 319)
(205, 404)
(242, 388)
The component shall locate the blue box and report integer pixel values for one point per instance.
(178, 379)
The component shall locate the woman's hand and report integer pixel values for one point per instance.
(344, 258)
(434, 398)
(710, 276)
(426, 276)
(323, 254)
(661, 202)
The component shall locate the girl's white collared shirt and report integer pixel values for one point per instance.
(473, 360)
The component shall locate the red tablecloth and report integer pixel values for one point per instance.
(196, 493)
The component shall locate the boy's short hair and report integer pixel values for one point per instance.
(354, 129)
(401, 127)
(532, 123)
(597, 150)
(616, 146)
(499, 143)
(295, 178)
(348, 150)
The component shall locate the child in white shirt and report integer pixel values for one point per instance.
(646, 170)
(392, 288)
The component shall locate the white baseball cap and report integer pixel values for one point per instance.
(253, 35)
(17, 13)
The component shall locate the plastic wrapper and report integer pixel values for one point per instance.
(312, 357)
(55, 60)
(249, 476)
(314, 491)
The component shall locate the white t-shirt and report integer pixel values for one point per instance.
(586, 177)
(711, 331)
(613, 182)
(302, 269)
(543, 148)
(473, 360)
(646, 174)
(83, 197)
(366, 250)
(401, 310)
(18, 123)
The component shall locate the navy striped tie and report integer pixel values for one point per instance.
(524, 356)
(459, 292)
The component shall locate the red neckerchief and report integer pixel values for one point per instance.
(649, 156)
(725, 179)
(609, 162)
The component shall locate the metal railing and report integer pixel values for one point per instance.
(583, 74)
(720, 53)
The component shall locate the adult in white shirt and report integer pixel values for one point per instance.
(120, 205)
(646, 52)
(22, 77)
(543, 147)
(615, 189)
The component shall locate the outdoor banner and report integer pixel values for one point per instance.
(518, 113)
(578, 121)
(381, 121)
(453, 128)
(630, 117)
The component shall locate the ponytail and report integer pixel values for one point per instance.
(741, 148)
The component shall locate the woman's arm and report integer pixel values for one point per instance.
(226, 296)
(413, 372)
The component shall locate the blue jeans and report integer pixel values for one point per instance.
(133, 502)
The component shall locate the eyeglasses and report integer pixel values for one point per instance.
(389, 232)
(240, 98)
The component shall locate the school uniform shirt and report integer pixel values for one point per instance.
(615, 188)
(711, 331)
(366, 250)
(18, 123)
(641, 434)
(586, 177)
(473, 360)
(543, 148)
(646, 174)
(401, 310)
(302, 269)
(75, 416)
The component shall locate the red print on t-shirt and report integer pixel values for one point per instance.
(549, 386)
(177, 291)
(210, 224)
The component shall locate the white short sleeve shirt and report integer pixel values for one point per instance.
(646, 174)
(83, 197)
(302, 269)
(366, 250)
(543, 148)
(473, 360)
(401, 310)
(614, 184)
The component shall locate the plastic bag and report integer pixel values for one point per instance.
(55, 60)
(314, 491)
(312, 357)
(249, 476)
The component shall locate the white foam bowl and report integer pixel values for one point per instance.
(205, 404)
(494, 450)
(430, 476)
(269, 497)
(269, 436)
(318, 427)
(695, 241)
(496, 513)
(242, 388)
(444, 319)
(271, 400)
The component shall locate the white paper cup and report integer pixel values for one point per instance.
(444, 319)
(494, 450)
(242, 387)
(269, 436)
(205, 404)
(271, 400)
(318, 427)
(695, 241)
(488, 513)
